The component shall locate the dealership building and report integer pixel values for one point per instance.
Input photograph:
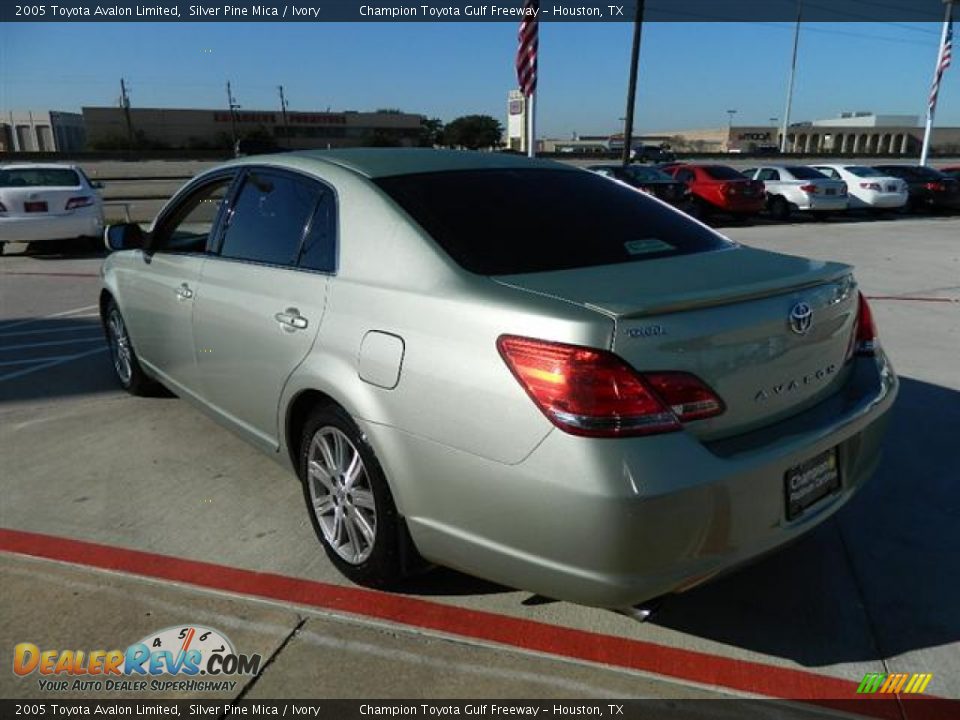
(854, 133)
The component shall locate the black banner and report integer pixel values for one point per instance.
(471, 11)
(733, 709)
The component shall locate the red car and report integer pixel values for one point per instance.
(718, 188)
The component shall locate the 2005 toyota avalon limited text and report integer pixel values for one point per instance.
(512, 367)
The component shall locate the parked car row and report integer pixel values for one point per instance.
(782, 190)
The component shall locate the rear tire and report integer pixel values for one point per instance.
(779, 208)
(124, 357)
(350, 505)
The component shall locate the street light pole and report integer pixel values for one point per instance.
(793, 73)
(632, 86)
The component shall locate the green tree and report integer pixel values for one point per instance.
(431, 132)
(473, 132)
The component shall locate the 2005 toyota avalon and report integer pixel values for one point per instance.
(511, 367)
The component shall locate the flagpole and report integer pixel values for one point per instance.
(531, 125)
(932, 106)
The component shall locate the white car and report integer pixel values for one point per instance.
(797, 187)
(868, 187)
(48, 202)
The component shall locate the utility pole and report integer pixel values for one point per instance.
(283, 114)
(793, 73)
(125, 104)
(233, 116)
(632, 85)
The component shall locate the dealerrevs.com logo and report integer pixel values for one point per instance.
(197, 658)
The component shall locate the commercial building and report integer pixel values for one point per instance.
(854, 133)
(41, 131)
(182, 128)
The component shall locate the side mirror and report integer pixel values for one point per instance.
(128, 236)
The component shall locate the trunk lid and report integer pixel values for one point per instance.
(724, 316)
(39, 201)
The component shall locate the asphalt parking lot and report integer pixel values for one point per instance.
(122, 516)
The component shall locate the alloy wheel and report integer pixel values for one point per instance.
(341, 495)
(119, 343)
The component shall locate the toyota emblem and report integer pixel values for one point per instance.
(801, 317)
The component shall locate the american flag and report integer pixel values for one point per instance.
(943, 62)
(527, 51)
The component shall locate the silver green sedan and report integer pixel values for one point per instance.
(510, 367)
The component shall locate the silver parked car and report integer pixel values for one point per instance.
(506, 366)
(793, 188)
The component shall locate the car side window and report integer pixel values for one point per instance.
(768, 174)
(319, 249)
(829, 172)
(187, 228)
(269, 217)
(685, 176)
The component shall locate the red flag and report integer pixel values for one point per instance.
(527, 51)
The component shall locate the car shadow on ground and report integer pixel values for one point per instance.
(53, 358)
(55, 250)
(879, 579)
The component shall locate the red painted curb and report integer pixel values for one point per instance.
(690, 665)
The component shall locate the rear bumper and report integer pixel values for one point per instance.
(878, 200)
(816, 203)
(51, 227)
(615, 522)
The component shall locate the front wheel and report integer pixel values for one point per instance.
(124, 357)
(350, 505)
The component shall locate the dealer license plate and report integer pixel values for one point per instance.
(808, 483)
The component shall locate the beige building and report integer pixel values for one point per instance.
(181, 128)
(41, 131)
(861, 133)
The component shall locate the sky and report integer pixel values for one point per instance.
(690, 73)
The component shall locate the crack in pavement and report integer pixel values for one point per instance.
(276, 653)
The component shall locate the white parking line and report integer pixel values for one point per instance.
(92, 338)
(44, 332)
(57, 361)
(47, 317)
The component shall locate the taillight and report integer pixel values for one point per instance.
(811, 189)
(843, 189)
(864, 340)
(594, 393)
(688, 397)
(79, 202)
(871, 186)
(936, 186)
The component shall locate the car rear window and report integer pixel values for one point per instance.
(722, 172)
(863, 171)
(502, 222)
(39, 177)
(805, 173)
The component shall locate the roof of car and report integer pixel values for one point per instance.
(38, 166)
(385, 162)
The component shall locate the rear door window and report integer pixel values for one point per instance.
(507, 221)
(269, 217)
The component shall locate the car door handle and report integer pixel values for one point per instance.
(291, 319)
(183, 292)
